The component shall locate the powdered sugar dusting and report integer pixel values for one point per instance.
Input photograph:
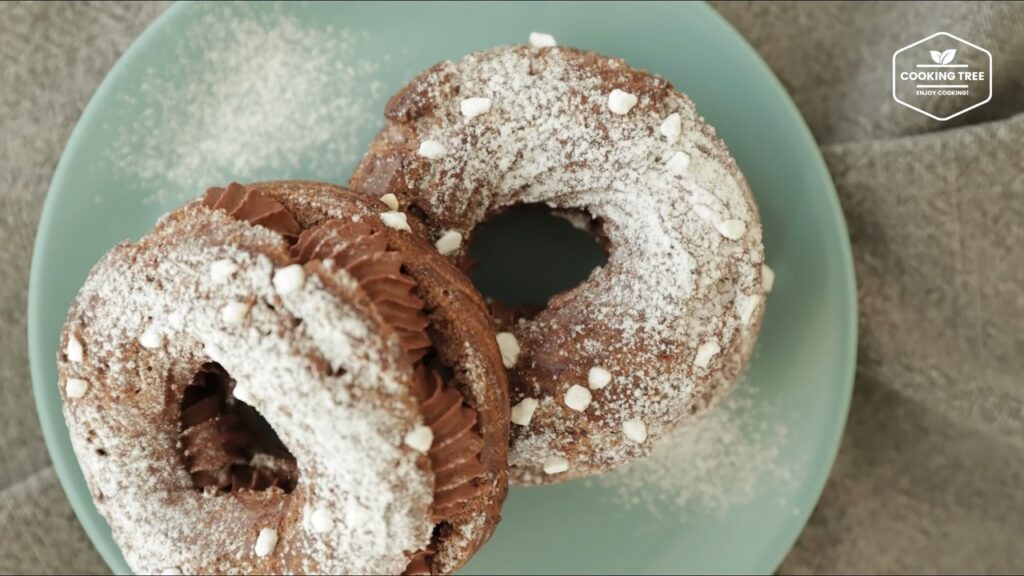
(672, 279)
(462, 537)
(311, 343)
(252, 93)
(722, 460)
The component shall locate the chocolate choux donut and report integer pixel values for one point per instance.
(279, 378)
(663, 330)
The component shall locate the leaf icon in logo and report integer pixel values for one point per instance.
(948, 56)
(936, 56)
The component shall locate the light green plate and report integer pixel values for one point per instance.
(802, 371)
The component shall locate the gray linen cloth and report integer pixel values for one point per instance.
(931, 470)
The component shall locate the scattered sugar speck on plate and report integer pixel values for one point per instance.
(254, 96)
(720, 461)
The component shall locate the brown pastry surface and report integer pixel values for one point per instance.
(463, 342)
(252, 400)
(660, 333)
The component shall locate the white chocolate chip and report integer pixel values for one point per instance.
(289, 279)
(396, 220)
(541, 40)
(578, 398)
(75, 387)
(223, 269)
(321, 520)
(671, 127)
(522, 413)
(172, 571)
(234, 313)
(621, 102)
(732, 229)
(390, 200)
(748, 305)
(475, 106)
(420, 438)
(635, 430)
(678, 164)
(151, 338)
(555, 465)
(266, 542)
(449, 242)
(767, 277)
(431, 149)
(598, 378)
(705, 352)
(74, 350)
(509, 347)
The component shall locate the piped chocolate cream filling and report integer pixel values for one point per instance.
(361, 249)
(253, 207)
(227, 445)
(357, 249)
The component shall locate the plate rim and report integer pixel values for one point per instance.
(66, 464)
(849, 284)
(62, 464)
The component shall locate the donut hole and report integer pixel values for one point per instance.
(226, 444)
(525, 255)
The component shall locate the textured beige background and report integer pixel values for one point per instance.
(930, 477)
